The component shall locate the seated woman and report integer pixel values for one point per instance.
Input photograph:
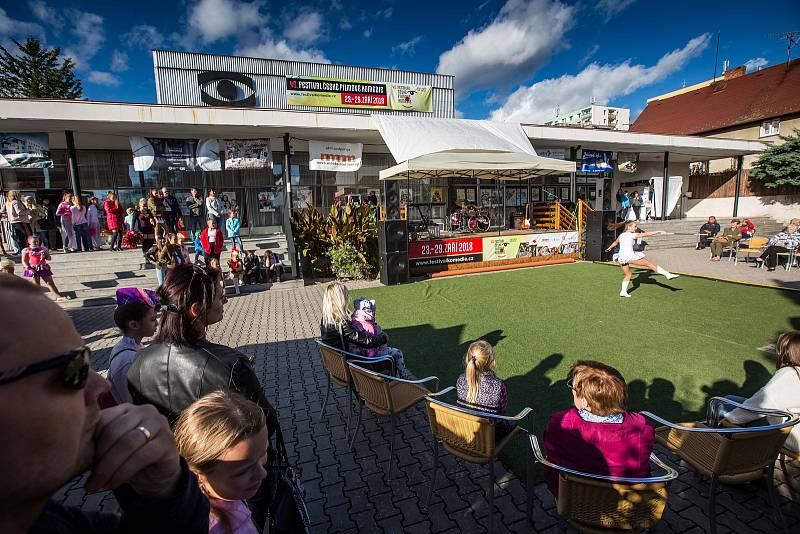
(598, 435)
(783, 241)
(782, 392)
(707, 232)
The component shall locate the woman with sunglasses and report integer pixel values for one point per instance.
(181, 365)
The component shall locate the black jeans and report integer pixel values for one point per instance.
(21, 233)
(116, 239)
(770, 255)
(196, 224)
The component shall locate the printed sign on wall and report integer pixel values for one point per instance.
(247, 154)
(331, 156)
(596, 161)
(25, 150)
(336, 93)
(159, 153)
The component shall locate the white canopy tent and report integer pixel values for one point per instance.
(431, 148)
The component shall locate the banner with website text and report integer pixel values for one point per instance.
(336, 93)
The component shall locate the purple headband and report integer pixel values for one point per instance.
(131, 295)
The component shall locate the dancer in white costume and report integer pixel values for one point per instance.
(627, 256)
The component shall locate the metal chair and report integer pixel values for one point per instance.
(755, 245)
(386, 396)
(337, 371)
(730, 455)
(791, 456)
(470, 435)
(603, 503)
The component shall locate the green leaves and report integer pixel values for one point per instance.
(34, 71)
(779, 165)
(346, 240)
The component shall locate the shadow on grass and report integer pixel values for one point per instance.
(649, 277)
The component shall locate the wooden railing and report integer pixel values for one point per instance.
(555, 216)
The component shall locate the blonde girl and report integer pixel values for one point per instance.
(224, 439)
(627, 256)
(478, 387)
(64, 212)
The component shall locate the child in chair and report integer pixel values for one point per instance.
(363, 319)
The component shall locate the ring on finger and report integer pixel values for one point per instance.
(144, 430)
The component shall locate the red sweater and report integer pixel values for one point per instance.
(207, 244)
(615, 449)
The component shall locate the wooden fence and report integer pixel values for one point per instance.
(724, 185)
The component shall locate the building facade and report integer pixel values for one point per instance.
(594, 116)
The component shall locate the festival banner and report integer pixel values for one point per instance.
(158, 153)
(444, 252)
(596, 161)
(247, 154)
(529, 245)
(31, 150)
(338, 93)
(332, 156)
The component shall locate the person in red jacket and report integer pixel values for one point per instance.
(212, 239)
(115, 219)
(598, 435)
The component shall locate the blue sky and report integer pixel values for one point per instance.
(513, 60)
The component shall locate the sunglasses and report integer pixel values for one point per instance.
(75, 366)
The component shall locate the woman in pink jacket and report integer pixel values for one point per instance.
(64, 212)
(115, 220)
(598, 435)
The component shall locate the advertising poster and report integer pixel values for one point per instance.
(433, 253)
(529, 245)
(596, 161)
(337, 93)
(31, 150)
(331, 156)
(437, 195)
(303, 197)
(268, 201)
(555, 153)
(228, 201)
(405, 197)
(247, 154)
(159, 153)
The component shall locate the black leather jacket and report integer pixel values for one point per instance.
(330, 335)
(171, 377)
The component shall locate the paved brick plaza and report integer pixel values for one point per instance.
(346, 491)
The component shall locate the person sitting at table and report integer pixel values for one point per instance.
(707, 231)
(598, 434)
(731, 234)
(781, 242)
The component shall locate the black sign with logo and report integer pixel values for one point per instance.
(231, 89)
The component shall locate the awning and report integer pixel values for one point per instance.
(431, 148)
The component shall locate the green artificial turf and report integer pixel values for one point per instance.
(677, 343)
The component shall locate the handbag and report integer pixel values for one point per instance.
(287, 513)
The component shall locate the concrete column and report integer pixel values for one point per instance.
(287, 206)
(665, 187)
(72, 163)
(739, 165)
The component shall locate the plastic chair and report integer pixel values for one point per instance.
(386, 396)
(791, 258)
(792, 456)
(338, 372)
(754, 246)
(470, 435)
(603, 503)
(731, 455)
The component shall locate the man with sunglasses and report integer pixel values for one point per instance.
(53, 430)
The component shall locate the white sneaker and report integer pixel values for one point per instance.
(628, 295)
(670, 276)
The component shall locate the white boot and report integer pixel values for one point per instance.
(668, 275)
(624, 291)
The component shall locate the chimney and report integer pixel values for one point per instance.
(735, 72)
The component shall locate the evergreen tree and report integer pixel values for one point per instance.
(779, 165)
(37, 72)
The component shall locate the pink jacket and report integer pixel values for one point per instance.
(616, 449)
(115, 215)
(365, 322)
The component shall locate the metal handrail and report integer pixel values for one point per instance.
(791, 419)
(671, 474)
(388, 378)
(526, 413)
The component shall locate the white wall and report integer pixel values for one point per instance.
(781, 208)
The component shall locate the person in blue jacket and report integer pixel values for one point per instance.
(233, 225)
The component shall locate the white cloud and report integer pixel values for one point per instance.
(385, 13)
(756, 63)
(367, 33)
(90, 33)
(345, 24)
(144, 36)
(119, 61)
(588, 55)
(511, 48)
(306, 27)
(611, 8)
(271, 48)
(46, 14)
(18, 29)
(537, 103)
(407, 47)
(103, 78)
(213, 20)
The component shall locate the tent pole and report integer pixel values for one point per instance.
(497, 201)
